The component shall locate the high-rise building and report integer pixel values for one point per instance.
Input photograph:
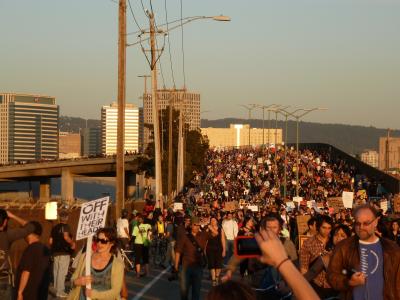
(28, 127)
(69, 145)
(190, 103)
(370, 157)
(237, 135)
(141, 130)
(91, 141)
(389, 153)
(109, 117)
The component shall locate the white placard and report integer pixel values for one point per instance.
(92, 217)
(297, 199)
(253, 207)
(178, 206)
(309, 204)
(290, 204)
(226, 194)
(347, 198)
(260, 160)
(384, 206)
(51, 211)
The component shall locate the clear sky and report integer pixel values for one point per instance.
(340, 54)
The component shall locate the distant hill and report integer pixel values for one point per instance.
(349, 138)
(74, 125)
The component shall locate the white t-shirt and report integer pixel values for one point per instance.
(121, 225)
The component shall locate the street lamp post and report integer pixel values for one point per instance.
(297, 118)
(249, 107)
(264, 107)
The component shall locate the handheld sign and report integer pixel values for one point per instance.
(348, 198)
(92, 217)
(178, 206)
(51, 211)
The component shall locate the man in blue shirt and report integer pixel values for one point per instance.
(366, 266)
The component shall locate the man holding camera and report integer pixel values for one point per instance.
(190, 248)
(365, 266)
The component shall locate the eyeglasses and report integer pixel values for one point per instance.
(102, 241)
(364, 224)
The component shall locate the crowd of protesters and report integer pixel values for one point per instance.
(343, 254)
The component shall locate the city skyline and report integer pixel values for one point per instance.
(341, 55)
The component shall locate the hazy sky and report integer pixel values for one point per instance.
(340, 54)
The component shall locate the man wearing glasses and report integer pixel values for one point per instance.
(365, 266)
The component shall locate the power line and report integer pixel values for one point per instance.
(169, 44)
(133, 15)
(183, 50)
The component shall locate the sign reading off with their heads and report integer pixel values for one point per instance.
(92, 217)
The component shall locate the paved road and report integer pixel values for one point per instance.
(156, 286)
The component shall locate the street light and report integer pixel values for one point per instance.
(264, 107)
(297, 118)
(249, 107)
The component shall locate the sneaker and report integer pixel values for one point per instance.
(62, 295)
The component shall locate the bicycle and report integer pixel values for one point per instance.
(129, 264)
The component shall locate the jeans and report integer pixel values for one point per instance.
(170, 256)
(229, 250)
(60, 271)
(191, 276)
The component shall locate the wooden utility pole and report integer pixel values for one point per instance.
(120, 164)
(157, 156)
(170, 140)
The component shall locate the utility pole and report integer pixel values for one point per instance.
(157, 156)
(120, 164)
(180, 168)
(170, 140)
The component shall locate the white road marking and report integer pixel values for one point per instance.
(150, 284)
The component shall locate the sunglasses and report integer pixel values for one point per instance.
(101, 241)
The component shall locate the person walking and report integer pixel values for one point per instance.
(142, 234)
(123, 229)
(62, 246)
(366, 266)
(190, 248)
(215, 250)
(231, 229)
(33, 273)
(7, 237)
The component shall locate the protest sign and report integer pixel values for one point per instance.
(290, 204)
(92, 217)
(297, 199)
(226, 194)
(348, 198)
(253, 207)
(260, 160)
(384, 205)
(396, 203)
(231, 206)
(309, 204)
(51, 211)
(336, 203)
(178, 206)
(302, 223)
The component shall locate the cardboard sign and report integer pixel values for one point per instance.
(348, 198)
(336, 203)
(302, 223)
(92, 217)
(396, 203)
(231, 206)
(178, 206)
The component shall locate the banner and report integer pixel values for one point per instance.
(92, 217)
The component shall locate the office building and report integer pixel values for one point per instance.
(237, 135)
(69, 145)
(28, 128)
(370, 157)
(389, 153)
(91, 141)
(141, 130)
(109, 117)
(190, 103)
